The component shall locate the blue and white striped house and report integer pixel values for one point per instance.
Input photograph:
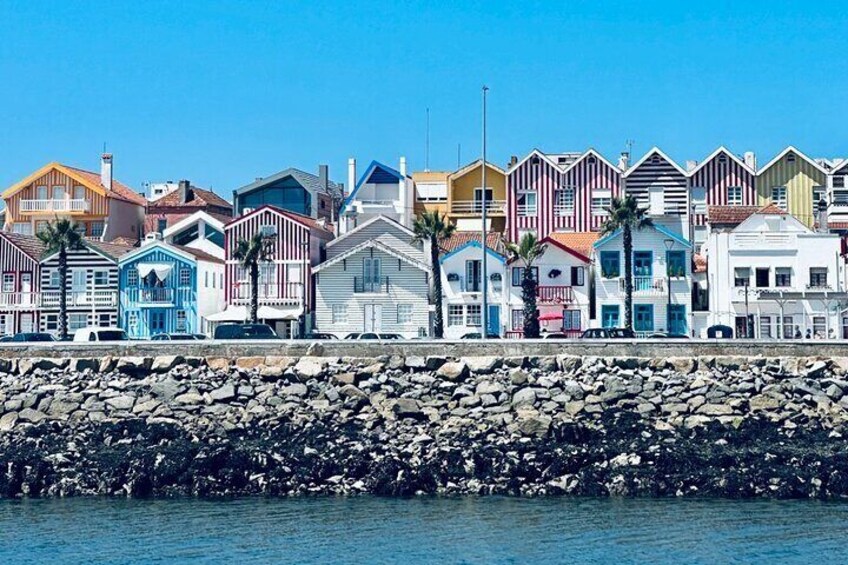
(166, 288)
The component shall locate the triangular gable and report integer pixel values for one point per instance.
(168, 248)
(716, 153)
(536, 153)
(372, 243)
(782, 154)
(20, 185)
(567, 249)
(769, 211)
(29, 245)
(379, 218)
(656, 227)
(274, 210)
(591, 152)
(841, 168)
(648, 155)
(476, 244)
(474, 165)
(90, 247)
(193, 219)
(375, 166)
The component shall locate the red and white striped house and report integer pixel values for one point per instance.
(286, 290)
(722, 179)
(567, 192)
(20, 273)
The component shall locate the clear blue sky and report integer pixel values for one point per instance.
(222, 92)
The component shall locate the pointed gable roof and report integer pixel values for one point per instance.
(782, 154)
(28, 244)
(458, 239)
(90, 180)
(310, 182)
(473, 244)
(200, 198)
(654, 151)
(305, 221)
(535, 153)
(380, 218)
(372, 244)
(473, 165)
(722, 150)
(659, 228)
(729, 215)
(578, 244)
(841, 168)
(592, 153)
(375, 173)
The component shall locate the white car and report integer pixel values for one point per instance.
(97, 333)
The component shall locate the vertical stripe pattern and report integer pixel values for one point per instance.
(716, 176)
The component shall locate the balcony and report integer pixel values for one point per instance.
(90, 298)
(569, 334)
(561, 210)
(18, 300)
(527, 210)
(270, 293)
(64, 206)
(362, 285)
(642, 286)
(555, 295)
(476, 207)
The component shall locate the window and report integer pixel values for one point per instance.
(132, 320)
(95, 229)
(526, 203)
(789, 331)
(643, 263)
(818, 277)
(610, 264)
(268, 231)
(839, 181)
(518, 275)
(518, 319)
(404, 314)
(741, 276)
(58, 193)
(778, 196)
(181, 321)
(643, 317)
(50, 322)
(79, 192)
(5, 324)
(132, 277)
(819, 327)
(701, 233)
(77, 321)
(734, 196)
(478, 199)
(675, 263)
(601, 201)
(564, 201)
(8, 282)
(431, 192)
(699, 200)
(473, 280)
(22, 228)
(206, 279)
(790, 157)
(819, 194)
(185, 277)
(765, 327)
(782, 276)
(161, 224)
(41, 192)
(473, 316)
(54, 278)
(578, 276)
(762, 276)
(339, 313)
(455, 314)
(610, 315)
(40, 226)
(101, 278)
(571, 320)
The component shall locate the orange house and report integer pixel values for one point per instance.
(103, 207)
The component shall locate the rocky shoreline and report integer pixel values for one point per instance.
(529, 426)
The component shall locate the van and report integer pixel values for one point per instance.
(245, 331)
(96, 333)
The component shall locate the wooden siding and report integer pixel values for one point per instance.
(541, 178)
(13, 260)
(657, 171)
(716, 176)
(799, 178)
(586, 176)
(98, 203)
(384, 231)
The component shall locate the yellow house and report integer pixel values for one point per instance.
(102, 207)
(793, 182)
(465, 197)
(431, 191)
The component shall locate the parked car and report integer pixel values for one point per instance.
(479, 335)
(556, 335)
(608, 333)
(666, 335)
(31, 337)
(245, 331)
(320, 335)
(5, 338)
(178, 337)
(96, 333)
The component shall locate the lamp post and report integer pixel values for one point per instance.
(669, 244)
(484, 306)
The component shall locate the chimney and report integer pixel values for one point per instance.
(403, 166)
(822, 217)
(323, 178)
(690, 165)
(351, 173)
(185, 192)
(513, 161)
(750, 159)
(624, 160)
(106, 170)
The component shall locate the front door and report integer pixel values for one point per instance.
(26, 289)
(642, 270)
(27, 322)
(677, 319)
(373, 318)
(494, 320)
(157, 322)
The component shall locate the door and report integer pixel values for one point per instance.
(677, 319)
(27, 322)
(744, 326)
(78, 287)
(373, 318)
(473, 282)
(642, 270)
(371, 274)
(643, 318)
(26, 289)
(494, 320)
(157, 322)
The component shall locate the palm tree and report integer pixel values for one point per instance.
(61, 236)
(527, 251)
(626, 215)
(433, 228)
(250, 253)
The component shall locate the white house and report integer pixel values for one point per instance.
(563, 296)
(773, 277)
(381, 191)
(373, 280)
(662, 281)
(462, 284)
(198, 231)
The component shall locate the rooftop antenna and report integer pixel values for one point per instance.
(630, 143)
(458, 154)
(427, 145)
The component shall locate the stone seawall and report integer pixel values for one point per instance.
(393, 425)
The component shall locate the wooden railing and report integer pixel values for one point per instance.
(103, 298)
(555, 294)
(476, 206)
(51, 206)
(289, 293)
(362, 285)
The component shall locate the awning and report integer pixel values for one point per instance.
(162, 270)
(231, 314)
(550, 316)
(242, 313)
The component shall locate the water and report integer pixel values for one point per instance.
(428, 530)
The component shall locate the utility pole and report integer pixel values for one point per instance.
(484, 306)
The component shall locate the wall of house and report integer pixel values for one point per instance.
(18, 312)
(542, 179)
(407, 285)
(210, 292)
(461, 190)
(125, 220)
(386, 232)
(454, 293)
(716, 176)
(659, 173)
(799, 178)
(285, 193)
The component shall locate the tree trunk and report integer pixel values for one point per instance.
(63, 293)
(628, 277)
(529, 286)
(438, 317)
(254, 292)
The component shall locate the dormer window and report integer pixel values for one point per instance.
(268, 231)
(534, 160)
(790, 158)
(722, 159)
(591, 160)
(562, 160)
(655, 159)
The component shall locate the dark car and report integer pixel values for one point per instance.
(178, 337)
(665, 335)
(245, 331)
(32, 337)
(608, 333)
(319, 335)
(621, 333)
(479, 335)
(5, 338)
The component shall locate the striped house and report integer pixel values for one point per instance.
(838, 187)
(568, 192)
(286, 290)
(20, 273)
(659, 184)
(794, 182)
(91, 287)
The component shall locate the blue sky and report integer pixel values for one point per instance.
(222, 92)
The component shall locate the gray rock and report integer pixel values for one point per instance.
(30, 415)
(122, 402)
(453, 371)
(407, 407)
(8, 421)
(524, 397)
(224, 393)
(189, 398)
(715, 410)
(295, 389)
(133, 365)
(309, 368)
(483, 365)
(165, 363)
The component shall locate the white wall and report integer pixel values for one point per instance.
(210, 291)
(453, 290)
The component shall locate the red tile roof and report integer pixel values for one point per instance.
(202, 255)
(29, 244)
(494, 241)
(119, 190)
(125, 241)
(581, 242)
(735, 215)
(112, 249)
(200, 198)
(700, 263)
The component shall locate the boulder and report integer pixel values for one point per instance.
(351, 391)
(218, 363)
(247, 363)
(569, 363)
(454, 371)
(407, 407)
(134, 365)
(167, 388)
(164, 363)
(524, 397)
(80, 365)
(122, 402)
(715, 410)
(223, 393)
(189, 398)
(531, 423)
(7, 421)
(308, 368)
(483, 365)
(295, 389)
(30, 415)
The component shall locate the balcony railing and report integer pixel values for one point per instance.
(270, 293)
(51, 206)
(21, 300)
(371, 286)
(644, 285)
(555, 294)
(570, 334)
(562, 210)
(101, 298)
(526, 209)
(476, 206)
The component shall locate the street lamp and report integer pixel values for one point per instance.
(484, 314)
(669, 244)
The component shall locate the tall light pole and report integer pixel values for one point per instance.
(484, 306)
